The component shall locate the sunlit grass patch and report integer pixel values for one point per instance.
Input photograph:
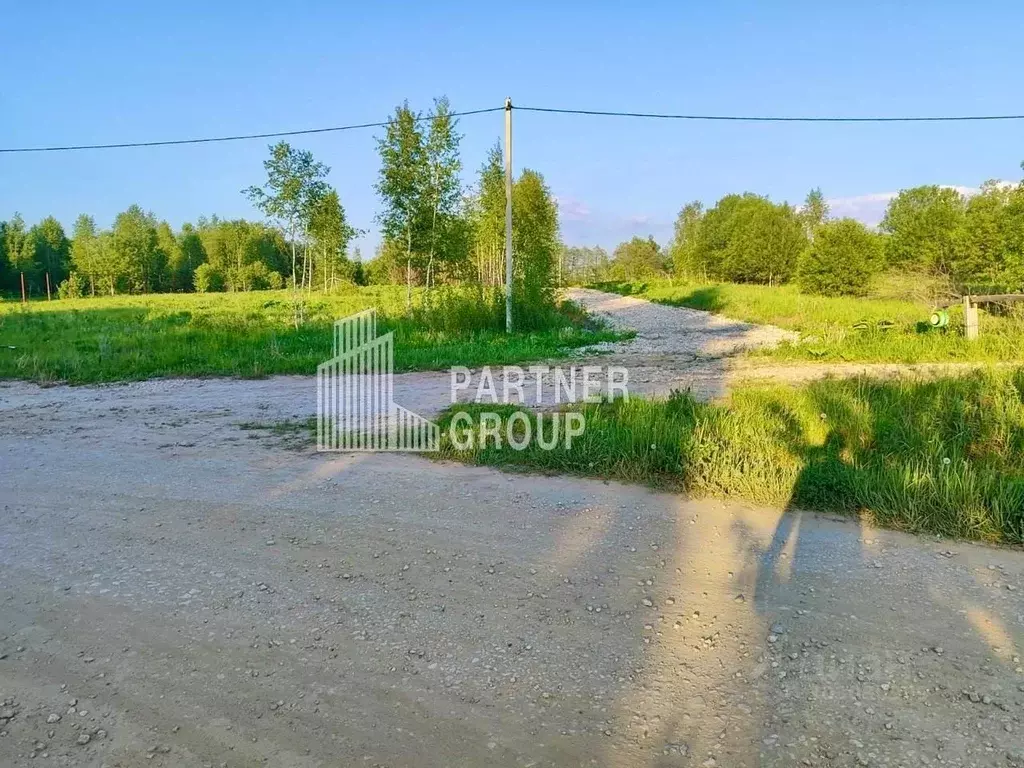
(944, 456)
(842, 329)
(262, 333)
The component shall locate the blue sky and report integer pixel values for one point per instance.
(106, 72)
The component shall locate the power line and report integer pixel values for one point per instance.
(774, 119)
(214, 139)
(549, 110)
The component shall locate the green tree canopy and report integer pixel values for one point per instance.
(683, 250)
(637, 259)
(749, 239)
(402, 187)
(443, 191)
(535, 249)
(584, 264)
(331, 235)
(15, 238)
(814, 211)
(487, 212)
(924, 225)
(85, 251)
(140, 261)
(295, 181)
(841, 260)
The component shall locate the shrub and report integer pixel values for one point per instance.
(749, 239)
(841, 260)
(637, 259)
(208, 279)
(259, 277)
(72, 288)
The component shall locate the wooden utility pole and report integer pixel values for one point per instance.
(508, 215)
(24, 299)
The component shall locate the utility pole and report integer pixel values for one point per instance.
(508, 215)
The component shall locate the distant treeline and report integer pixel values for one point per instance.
(434, 231)
(963, 242)
(140, 254)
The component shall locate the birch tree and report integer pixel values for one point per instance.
(443, 190)
(402, 186)
(294, 182)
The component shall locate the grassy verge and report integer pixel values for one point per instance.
(943, 457)
(838, 329)
(253, 334)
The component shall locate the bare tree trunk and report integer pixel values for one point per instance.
(430, 266)
(408, 285)
(408, 270)
(305, 265)
(292, 233)
(430, 259)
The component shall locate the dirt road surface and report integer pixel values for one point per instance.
(685, 349)
(177, 591)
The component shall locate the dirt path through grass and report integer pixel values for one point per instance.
(674, 348)
(180, 592)
(680, 348)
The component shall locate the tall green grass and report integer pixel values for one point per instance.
(261, 333)
(943, 456)
(842, 329)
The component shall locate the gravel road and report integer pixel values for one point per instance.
(177, 591)
(678, 349)
(674, 347)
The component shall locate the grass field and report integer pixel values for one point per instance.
(843, 329)
(944, 457)
(250, 335)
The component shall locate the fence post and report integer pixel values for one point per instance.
(971, 319)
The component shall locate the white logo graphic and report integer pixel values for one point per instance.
(355, 405)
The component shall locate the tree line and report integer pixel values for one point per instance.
(967, 243)
(142, 254)
(434, 231)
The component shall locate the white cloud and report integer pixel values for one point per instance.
(570, 209)
(870, 208)
(583, 225)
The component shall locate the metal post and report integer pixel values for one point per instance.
(508, 215)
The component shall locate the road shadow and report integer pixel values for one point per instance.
(836, 595)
